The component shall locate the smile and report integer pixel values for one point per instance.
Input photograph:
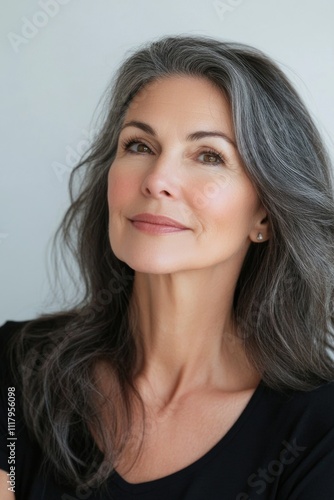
(156, 224)
(148, 227)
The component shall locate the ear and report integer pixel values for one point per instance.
(261, 228)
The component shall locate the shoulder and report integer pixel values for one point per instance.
(321, 397)
(305, 427)
(21, 337)
(8, 329)
(308, 415)
(317, 405)
(8, 333)
(35, 330)
(316, 402)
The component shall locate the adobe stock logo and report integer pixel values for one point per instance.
(223, 8)
(31, 27)
(73, 155)
(263, 476)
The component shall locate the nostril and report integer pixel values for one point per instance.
(164, 192)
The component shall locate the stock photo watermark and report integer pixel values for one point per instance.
(31, 27)
(264, 476)
(225, 8)
(73, 154)
(11, 439)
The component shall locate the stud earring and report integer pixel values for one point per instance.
(259, 237)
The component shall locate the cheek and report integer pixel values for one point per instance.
(230, 204)
(119, 187)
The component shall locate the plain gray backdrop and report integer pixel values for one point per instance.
(57, 57)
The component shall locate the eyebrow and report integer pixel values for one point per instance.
(195, 136)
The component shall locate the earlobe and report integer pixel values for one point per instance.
(260, 236)
(261, 231)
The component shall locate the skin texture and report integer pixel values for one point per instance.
(216, 202)
(185, 281)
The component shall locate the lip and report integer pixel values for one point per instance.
(159, 220)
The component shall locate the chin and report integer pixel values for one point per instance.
(151, 265)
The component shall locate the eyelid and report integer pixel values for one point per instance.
(214, 152)
(126, 143)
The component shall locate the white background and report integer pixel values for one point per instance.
(54, 75)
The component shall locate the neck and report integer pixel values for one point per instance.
(186, 333)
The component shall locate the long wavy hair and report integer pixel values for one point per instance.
(284, 294)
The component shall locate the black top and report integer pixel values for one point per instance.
(281, 447)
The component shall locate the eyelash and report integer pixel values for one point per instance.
(129, 142)
(213, 153)
(126, 144)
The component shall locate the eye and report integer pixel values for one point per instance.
(136, 146)
(211, 157)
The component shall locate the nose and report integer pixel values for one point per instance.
(162, 178)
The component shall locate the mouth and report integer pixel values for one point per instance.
(160, 220)
(156, 224)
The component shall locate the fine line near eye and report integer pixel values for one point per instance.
(128, 143)
(212, 153)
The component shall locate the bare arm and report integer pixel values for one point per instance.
(5, 494)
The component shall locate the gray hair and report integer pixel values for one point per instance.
(283, 300)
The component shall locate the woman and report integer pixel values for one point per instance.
(197, 365)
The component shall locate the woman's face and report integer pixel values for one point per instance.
(177, 157)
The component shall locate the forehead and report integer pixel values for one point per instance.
(184, 101)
